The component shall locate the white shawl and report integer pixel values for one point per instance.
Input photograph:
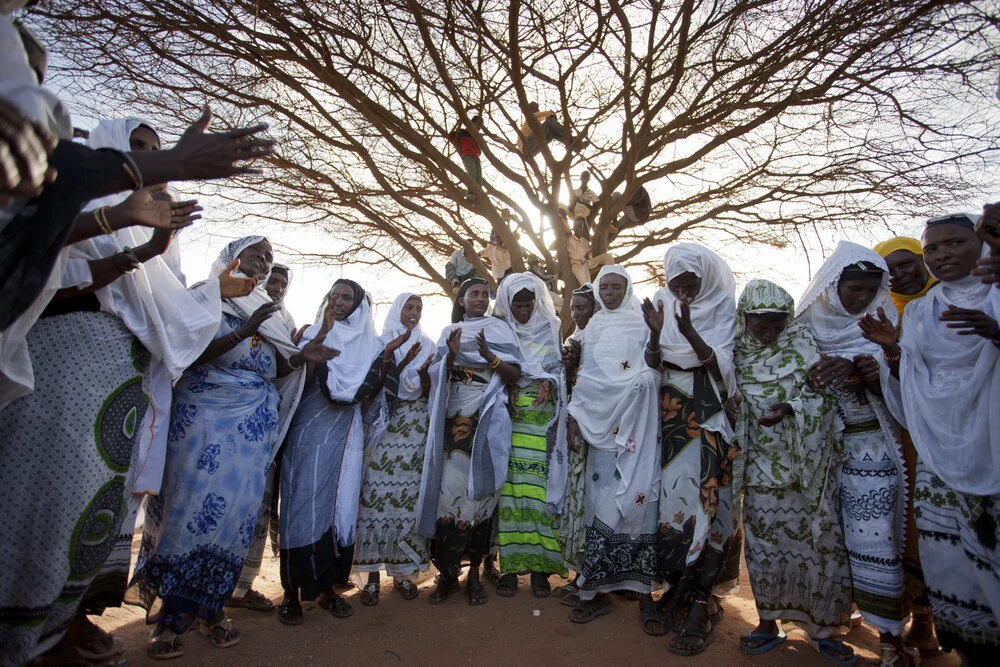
(410, 388)
(491, 442)
(616, 400)
(713, 311)
(948, 390)
(358, 345)
(541, 359)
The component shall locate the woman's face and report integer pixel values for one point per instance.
(855, 295)
(277, 285)
(766, 330)
(582, 310)
(612, 290)
(143, 139)
(475, 301)
(256, 259)
(409, 316)
(907, 274)
(522, 310)
(342, 300)
(951, 252)
(685, 287)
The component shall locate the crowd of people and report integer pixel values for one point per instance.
(847, 444)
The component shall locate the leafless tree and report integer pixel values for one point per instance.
(754, 117)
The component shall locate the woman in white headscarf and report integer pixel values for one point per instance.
(613, 413)
(468, 442)
(872, 487)
(387, 521)
(536, 472)
(944, 384)
(230, 412)
(692, 328)
(323, 461)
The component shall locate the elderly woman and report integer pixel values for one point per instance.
(909, 281)
(789, 436)
(469, 439)
(852, 282)
(536, 472)
(691, 338)
(387, 521)
(614, 413)
(944, 384)
(231, 409)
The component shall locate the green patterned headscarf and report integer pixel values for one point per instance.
(760, 296)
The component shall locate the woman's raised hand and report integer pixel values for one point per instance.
(258, 318)
(410, 355)
(881, 331)
(233, 286)
(205, 155)
(145, 209)
(398, 341)
(484, 348)
(24, 155)
(653, 316)
(317, 353)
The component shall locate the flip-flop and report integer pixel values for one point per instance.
(252, 600)
(829, 650)
(772, 641)
(590, 609)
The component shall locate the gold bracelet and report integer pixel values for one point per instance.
(101, 217)
(293, 366)
(130, 167)
(495, 363)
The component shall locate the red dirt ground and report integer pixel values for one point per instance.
(399, 632)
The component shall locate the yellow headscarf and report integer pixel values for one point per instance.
(885, 249)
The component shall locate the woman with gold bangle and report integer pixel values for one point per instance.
(469, 438)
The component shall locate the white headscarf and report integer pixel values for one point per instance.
(19, 84)
(283, 314)
(358, 345)
(713, 311)
(949, 388)
(616, 399)
(175, 325)
(410, 388)
(540, 350)
(836, 331)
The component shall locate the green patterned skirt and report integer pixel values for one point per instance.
(528, 537)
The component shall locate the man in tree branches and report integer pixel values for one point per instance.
(468, 149)
(527, 141)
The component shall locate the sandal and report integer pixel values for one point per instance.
(540, 587)
(164, 644)
(704, 632)
(770, 641)
(653, 622)
(571, 600)
(369, 595)
(588, 610)
(830, 649)
(720, 613)
(476, 593)
(407, 589)
(222, 633)
(564, 591)
(290, 611)
(91, 642)
(891, 656)
(507, 585)
(252, 600)
(444, 586)
(335, 604)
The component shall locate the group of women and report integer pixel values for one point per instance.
(849, 445)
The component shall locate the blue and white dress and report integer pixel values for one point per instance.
(223, 434)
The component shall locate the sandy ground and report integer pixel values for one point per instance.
(504, 630)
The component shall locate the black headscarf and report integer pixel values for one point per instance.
(359, 292)
(458, 311)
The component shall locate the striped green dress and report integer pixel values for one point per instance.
(528, 537)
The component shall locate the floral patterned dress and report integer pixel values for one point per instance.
(222, 438)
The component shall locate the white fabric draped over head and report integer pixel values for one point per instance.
(19, 85)
(949, 388)
(616, 399)
(539, 342)
(283, 314)
(491, 441)
(836, 331)
(357, 342)
(713, 311)
(409, 380)
(173, 323)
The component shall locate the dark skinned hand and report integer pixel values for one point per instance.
(775, 413)
(574, 440)
(25, 148)
(832, 371)
(411, 355)
(654, 316)
(882, 332)
(684, 319)
(571, 353)
(207, 155)
(425, 377)
(544, 389)
(233, 286)
(868, 369)
(258, 318)
(971, 322)
(484, 348)
(732, 407)
(396, 343)
(454, 344)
